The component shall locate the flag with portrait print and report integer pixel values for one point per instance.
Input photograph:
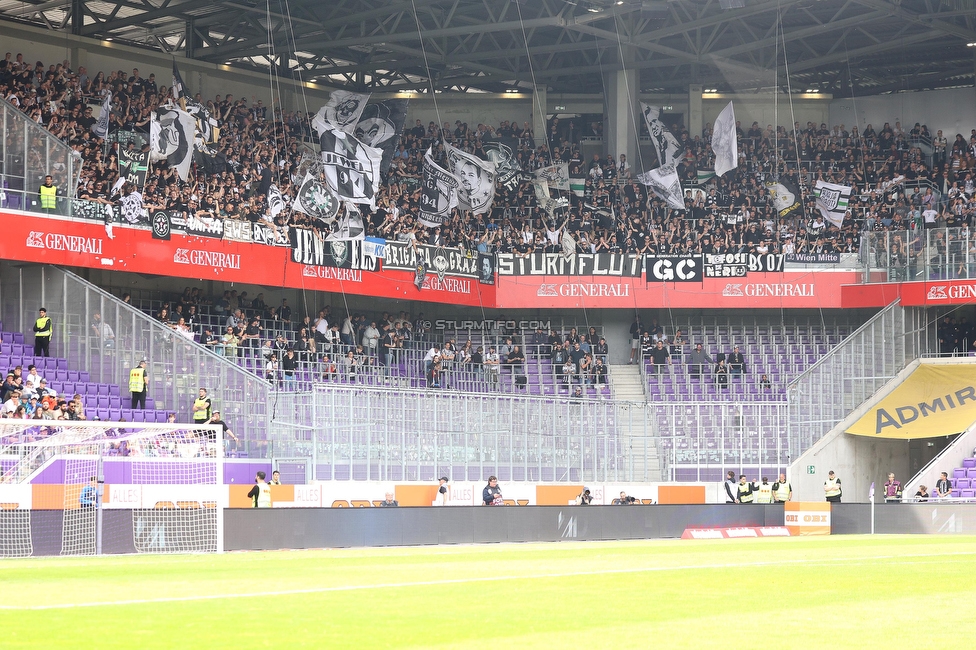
(476, 179)
(352, 169)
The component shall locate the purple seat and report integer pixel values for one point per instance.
(113, 390)
(90, 388)
(139, 416)
(62, 364)
(126, 414)
(101, 401)
(19, 338)
(114, 402)
(103, 389)
(971, 473)
(959, 472)
(114, 414)
(967, 494)
(73, 376)
(962, 483)
(969, 463)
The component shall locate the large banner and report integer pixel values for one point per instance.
(933, 402)
(439, 193)
(596, 264)
(134, 165)
(381, 126)
(307, 247)
(674, 268)
(439, 260)
(352, 169)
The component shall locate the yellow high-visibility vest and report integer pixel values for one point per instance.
(43, 324)
(137, 380)
(834, 490)
(49, 197)
(745, 493)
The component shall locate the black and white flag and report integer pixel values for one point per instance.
(508, 171)
(276, 202)
(350, 224)
(352, 169)
(724, 141)
(206, 126)
(134, 165)
(785, 196)
(130, 206)
(832, 201)
(381, 126)
(439, 194)
(342, 112)
(476, 180)
(171, 139)
(557, 176)
(664, 182)
(665, 144)
(178, 89)
(100, 128)
(315, 199)
(546, 202)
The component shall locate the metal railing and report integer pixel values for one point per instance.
(853, 371)
(352, 433)
(177, 367)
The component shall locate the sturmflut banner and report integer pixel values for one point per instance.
(583, 264)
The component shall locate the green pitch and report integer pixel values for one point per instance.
(838, 592)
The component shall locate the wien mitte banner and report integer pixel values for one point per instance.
(934, 401)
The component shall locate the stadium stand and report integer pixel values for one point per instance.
(734, 213)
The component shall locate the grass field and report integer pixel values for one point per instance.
(837, 592)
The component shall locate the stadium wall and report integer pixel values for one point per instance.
(952, 110)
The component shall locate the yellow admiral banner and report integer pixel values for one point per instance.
(934, 401)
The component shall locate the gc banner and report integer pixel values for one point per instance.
(674, 268)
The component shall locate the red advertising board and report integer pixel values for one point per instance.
(932, 293)
(79, 243)
(787, 290)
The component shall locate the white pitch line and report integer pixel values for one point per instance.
(456, 581)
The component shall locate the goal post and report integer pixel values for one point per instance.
(87, 488)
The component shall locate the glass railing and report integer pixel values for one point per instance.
(918, 255)
(28, 153)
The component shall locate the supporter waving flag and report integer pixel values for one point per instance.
(786, 197)
(315, 199)
(100, 128)
(352, 169)
(832, 201)
(664, 182)
(665, 144)
(171, 139)
(179, 88)
(557, 176)
(342, 112)
(381, 126)
(476, 178)
(439, 195)
(724, 141)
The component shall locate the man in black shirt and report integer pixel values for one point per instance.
(660, 357)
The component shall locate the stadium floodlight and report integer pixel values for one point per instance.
(89, 488)
(732, 4)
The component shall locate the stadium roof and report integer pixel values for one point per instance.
(843, 47)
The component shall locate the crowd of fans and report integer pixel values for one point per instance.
(894, 181)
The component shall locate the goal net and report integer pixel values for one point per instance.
(86, 488)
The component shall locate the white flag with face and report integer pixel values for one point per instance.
(724, 141)
(341, 112)
(171, 138)
(665, 144)
(439, 193)
(476, 178)
(276, 202)
(352, 169)
(832, 201)
(664, 182)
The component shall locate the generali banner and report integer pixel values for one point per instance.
(776, 290)
(934, 401)
(79, 243)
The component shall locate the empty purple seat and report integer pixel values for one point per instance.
(103, 389)
(969, 463)
(84, 376)
(113, 390)
(959, 472)
(73, 376)
(114, 414)
(62, 364)
(139, 416)
(962, 483)
(102, 402)
(19, 338)
(967, 494)
(126, 415)
(114, 402)
(971, 473)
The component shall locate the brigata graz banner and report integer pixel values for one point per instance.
(440, 261)
(614, 264)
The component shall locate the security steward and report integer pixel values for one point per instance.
(745, 492)
(832, 488)
(764, 491)
(43, 328)
(201, 408)
(139, 385)
(49, 195)
(782, 491)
